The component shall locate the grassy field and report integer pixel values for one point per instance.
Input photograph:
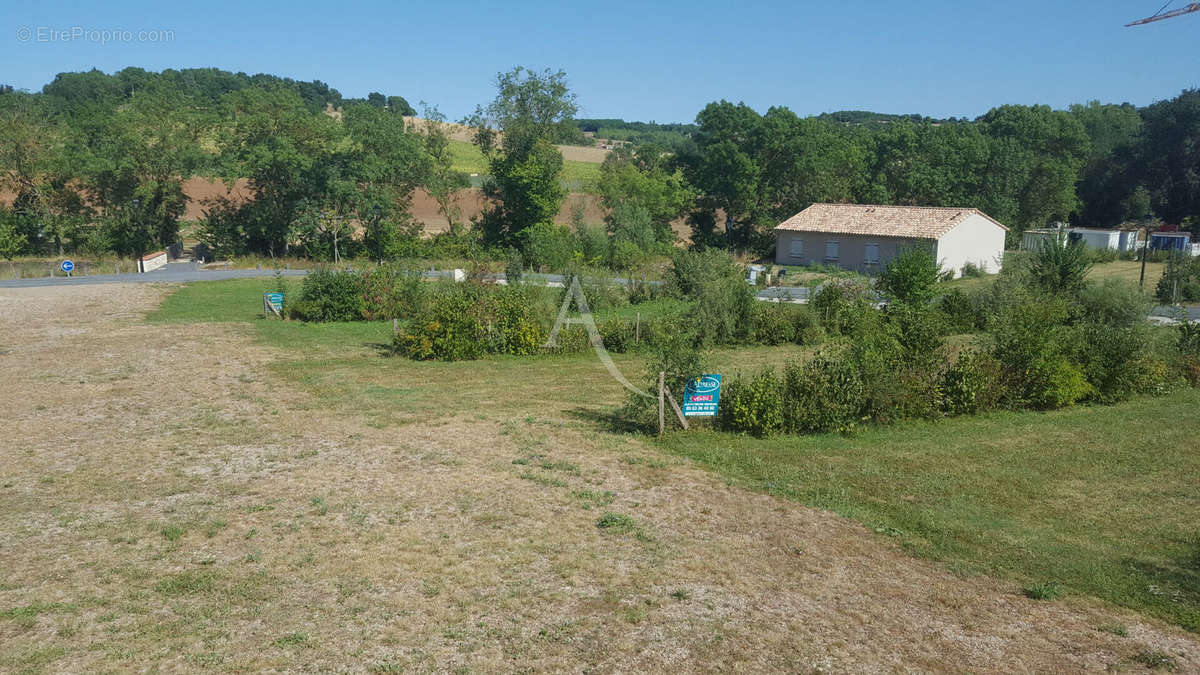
(1100, 500)
(579, 176)
(1127, 270)
(1107, 510)
(188, 485)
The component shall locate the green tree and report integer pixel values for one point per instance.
(516, 133)
(12, 242)
(285, 151)
(910, 278)
(142, 154)
(640, 182)
(1034, 160)
(1059, 265)
(1169, 159)
(1106, 181)
(441, 180)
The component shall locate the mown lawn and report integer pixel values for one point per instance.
(1127, 270)
(1103, 501)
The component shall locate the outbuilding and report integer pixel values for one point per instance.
(865, 238)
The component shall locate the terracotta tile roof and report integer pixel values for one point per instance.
(910, 222)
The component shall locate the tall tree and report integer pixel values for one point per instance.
(440, 179)
(516, 132)
(284, 150)
(1169, 159)
(1035, 157)
(635, 182)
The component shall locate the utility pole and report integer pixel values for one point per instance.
(1145, 249)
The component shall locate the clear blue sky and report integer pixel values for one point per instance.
(644, 60)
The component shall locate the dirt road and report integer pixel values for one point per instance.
(169, 502)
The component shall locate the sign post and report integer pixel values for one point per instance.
(273, 304)
(702, 396)
(67, 266)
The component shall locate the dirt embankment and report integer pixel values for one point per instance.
(470, 203)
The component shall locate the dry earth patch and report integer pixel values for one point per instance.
(169, 502)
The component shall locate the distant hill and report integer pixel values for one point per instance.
(868, 117)
(95, 86)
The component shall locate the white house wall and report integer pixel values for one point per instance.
(975, 240)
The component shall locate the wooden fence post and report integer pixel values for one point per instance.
(661, 419)
(637, 329)
(395, 326)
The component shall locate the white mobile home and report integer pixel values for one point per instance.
(865, 238)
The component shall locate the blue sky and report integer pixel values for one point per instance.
(645, 60)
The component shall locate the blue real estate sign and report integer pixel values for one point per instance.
(701, 396)
(274, 301)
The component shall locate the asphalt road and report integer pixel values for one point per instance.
(185, 271)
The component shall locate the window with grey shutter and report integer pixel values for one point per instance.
(831, 250)
(871, 254)
(797, 248)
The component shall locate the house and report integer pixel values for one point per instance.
(865, 238)
(1171, 241)
(1095, 238)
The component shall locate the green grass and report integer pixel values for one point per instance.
(1127, 270)
(1103, 500)
(579, 176)
(1100, 500)
(209, 301)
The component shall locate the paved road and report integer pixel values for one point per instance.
(186, 271)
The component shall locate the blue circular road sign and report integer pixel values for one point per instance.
(67, 265)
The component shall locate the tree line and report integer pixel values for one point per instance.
(96, 162)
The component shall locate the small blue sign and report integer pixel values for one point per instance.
(67, 266)
(274, 301)
(701, 396)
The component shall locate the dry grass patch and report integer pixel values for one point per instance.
(307, 533)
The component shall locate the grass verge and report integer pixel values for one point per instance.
(1102, 500)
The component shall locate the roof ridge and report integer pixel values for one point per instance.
(899, 206)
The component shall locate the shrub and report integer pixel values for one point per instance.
(962, 312)
(329, 296)
(910, 277)
(468, 320)
(773, 324)
(391, 292)
(899, 361)
(1026, 337)
(1180, 281)
(722, 302)
(825, 393)
(971, 384)
(1110, 358)
(753, 405)
(1057, 383)
(617, 335)
(1113, 302)
(1059, 265)
(972, 271)
(674, 352)
(806, 329)
(548, 245)
(842, 305)
(447, 329)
